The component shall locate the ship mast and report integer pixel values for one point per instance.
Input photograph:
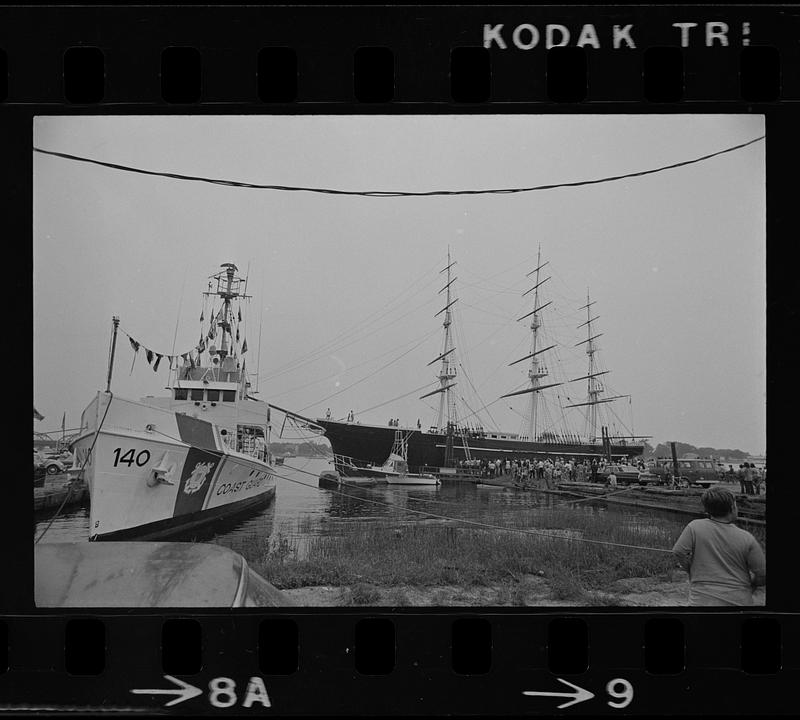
(537, 369)
(595, 387)
(229, 287)
(447, 372)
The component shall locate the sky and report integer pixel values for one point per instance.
(345, 289)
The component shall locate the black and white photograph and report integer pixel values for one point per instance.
(399, 360)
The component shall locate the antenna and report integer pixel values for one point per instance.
(177, 322)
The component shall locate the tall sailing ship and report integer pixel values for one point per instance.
(450, 441)
(159, 466)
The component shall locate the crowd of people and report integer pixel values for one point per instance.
(750, 478)
(540, 473)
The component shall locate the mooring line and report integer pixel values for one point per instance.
(476, 523)
(490, 526)
(72, 482)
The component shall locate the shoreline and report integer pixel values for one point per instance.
(527, 591)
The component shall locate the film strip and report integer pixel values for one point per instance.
(92, 94)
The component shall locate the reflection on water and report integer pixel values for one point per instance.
(303, 510)
(72, 525)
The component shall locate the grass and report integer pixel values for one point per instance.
(383, 553)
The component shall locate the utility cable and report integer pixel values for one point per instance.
(393, 193)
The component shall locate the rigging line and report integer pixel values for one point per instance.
(477, 523)
(331, 345)
(484, 407)
(319, 356)
(377, 315)
(350, 369)
(392, 193)
(484, 310)
(380, 369)
(399, 397)
(480, 399)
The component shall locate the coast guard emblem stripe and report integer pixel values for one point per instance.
(197, 477)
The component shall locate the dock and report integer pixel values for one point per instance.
(685, 501)
(56, 488)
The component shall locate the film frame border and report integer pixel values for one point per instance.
(714, 668)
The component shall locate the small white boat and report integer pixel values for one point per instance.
(396, 467)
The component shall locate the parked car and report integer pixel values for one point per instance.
(647, 477)
(626, 474)
(39, 474)
(54, 466)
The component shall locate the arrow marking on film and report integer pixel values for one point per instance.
(185, 691)
(577, 697)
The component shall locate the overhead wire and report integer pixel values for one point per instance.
(394, 193)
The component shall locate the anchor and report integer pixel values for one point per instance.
(160, 472)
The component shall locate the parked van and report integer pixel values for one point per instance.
(698, 472)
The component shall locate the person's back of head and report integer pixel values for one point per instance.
(718, 502)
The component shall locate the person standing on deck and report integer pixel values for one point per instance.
(259, 447)
(594, 469)
(725, 563)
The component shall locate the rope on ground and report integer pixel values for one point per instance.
(72, 483)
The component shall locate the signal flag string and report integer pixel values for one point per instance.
(393, 193)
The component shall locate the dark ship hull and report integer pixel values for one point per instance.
(371, 444)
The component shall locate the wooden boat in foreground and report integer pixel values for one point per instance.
(148, 574)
